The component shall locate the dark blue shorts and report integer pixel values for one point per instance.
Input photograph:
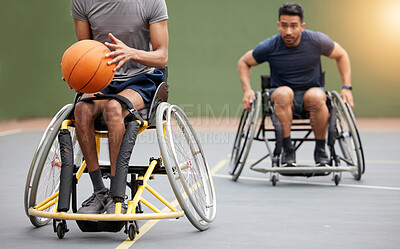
(298, 99)
(145, 84)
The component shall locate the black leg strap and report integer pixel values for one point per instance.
(278, 128)
(67, 170)
(122, 100)
(332, 134)
(119, 185)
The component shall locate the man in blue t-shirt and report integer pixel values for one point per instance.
(296, 77)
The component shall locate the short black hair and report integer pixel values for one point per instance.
(292, 9)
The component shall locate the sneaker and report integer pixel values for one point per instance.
(110, 207)
(321, 158)
(288, 157)
(95, 204)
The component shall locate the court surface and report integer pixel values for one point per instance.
(251, 213)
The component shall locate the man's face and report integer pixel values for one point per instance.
(290, 28)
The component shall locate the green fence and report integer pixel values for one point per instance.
(206, 39)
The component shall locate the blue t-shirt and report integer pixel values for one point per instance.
(297, 67)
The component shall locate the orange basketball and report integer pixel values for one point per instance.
(84, 66)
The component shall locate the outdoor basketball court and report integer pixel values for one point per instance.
(251, 213)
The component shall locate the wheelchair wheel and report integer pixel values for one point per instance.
(44, 173)
(244, 138)
(186, 165)
(347, 137)
(353, 119)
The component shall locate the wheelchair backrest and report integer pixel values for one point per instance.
(265, 82)
(161, 95)
(165, 72)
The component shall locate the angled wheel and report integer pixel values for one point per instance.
(44, 174)
(347, 137)
(244, 138)
(353, 119)
(186, 165)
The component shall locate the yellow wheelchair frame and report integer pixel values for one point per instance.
(130, 214)
(187, 178)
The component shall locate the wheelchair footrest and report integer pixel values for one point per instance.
(304, 170)
(100, 226)
(105, 217)
(306, 174)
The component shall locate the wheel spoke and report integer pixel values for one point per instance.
(190, 173)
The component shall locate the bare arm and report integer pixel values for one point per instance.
(82, 30)
(244, 68)
(156, 58)
(343, 64)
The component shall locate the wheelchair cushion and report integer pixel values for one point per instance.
(266, 86)
(299, 113)
(100, 123)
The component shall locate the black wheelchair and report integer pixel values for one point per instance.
(58, 164)
(345, 149)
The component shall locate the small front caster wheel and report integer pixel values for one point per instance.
(274, 180)
(132, 231)
(61, 230)
(337, 179)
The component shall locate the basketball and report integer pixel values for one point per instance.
(84, 66)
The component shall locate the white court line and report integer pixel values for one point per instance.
(382, 161)
(367, 162)
(311, 161)
(10, 132)
(312, 183)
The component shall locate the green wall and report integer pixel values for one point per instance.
(206, 40)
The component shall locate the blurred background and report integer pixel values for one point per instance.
(207, 38)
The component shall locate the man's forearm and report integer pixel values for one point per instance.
(343, 64)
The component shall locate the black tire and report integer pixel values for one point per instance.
(347, 138)
(244, 138)
(337, 180)
(353, 118)
(132, 231)
(60, 230)
(274, 180)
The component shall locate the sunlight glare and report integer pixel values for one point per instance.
(391, 14)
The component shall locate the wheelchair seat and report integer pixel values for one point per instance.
(266, 86)
(147, 113)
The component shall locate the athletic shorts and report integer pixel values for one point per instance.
(145, 84)
(298, 100)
